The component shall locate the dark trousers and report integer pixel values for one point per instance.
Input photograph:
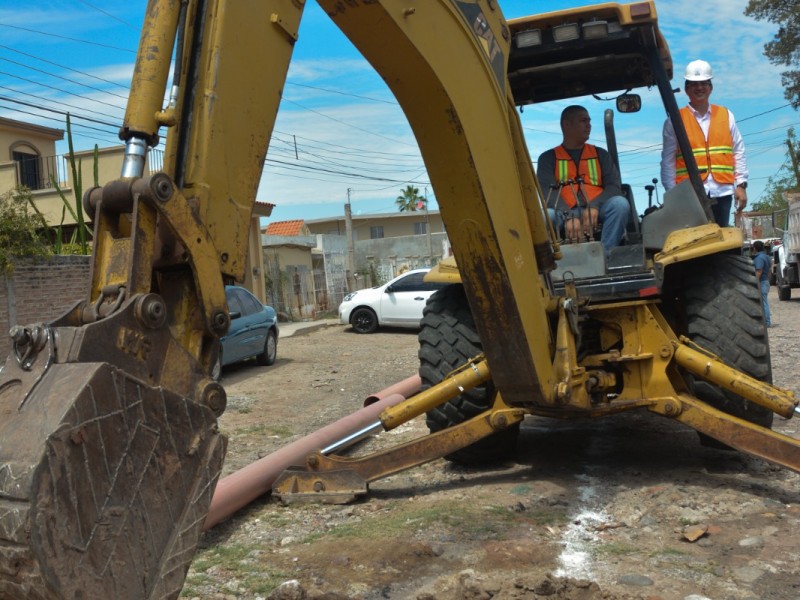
(722, 210)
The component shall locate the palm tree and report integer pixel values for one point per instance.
(410, 200)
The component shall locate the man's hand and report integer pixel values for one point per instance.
(740, 198)
(575, 229)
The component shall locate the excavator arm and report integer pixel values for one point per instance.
(109, 448)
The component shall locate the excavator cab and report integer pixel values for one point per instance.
(607, 50)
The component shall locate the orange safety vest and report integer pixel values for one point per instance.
(589, 169)
(713, 155)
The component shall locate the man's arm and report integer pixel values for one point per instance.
(669, 150)
(545, 173)
(739, 164)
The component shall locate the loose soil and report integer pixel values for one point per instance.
(623, 508)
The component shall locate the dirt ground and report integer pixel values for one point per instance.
(598, 510)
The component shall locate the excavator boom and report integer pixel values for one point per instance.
(110, 448)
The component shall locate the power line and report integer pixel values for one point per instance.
(368, 152)
(342, 173)
(53, 110)
(55, 64)
(59, 90)
(25, 112)
(64, 37)
(14, 62)
(330, 91)
(345, 123)
(764, 113)
(108, 14)
(60, 102)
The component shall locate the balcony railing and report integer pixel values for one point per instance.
(37, 172)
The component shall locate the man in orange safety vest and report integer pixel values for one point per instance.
(716, 144)
(583, 184)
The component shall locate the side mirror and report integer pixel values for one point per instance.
(629, 103)
(235, 315)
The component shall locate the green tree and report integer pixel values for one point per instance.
(786, 179)
(20, 228)
(784, 49)
(410, 199)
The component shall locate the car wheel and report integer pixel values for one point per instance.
(447, 340)
(722, 308)
(216, 370)
(364, 320)
(267, 357)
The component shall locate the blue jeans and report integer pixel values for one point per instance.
(722, 210)
(764, 287)
(613, 215)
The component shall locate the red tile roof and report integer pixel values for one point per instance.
(263, 209)
(285, 228)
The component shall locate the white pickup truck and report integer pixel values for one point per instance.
(787, 255)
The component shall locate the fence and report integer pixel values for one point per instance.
(39, 291)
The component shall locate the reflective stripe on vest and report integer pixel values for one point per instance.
(715, 154)
(589, 169)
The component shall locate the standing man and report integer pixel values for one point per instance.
(586, 183)
(716, 144)
(763, 265)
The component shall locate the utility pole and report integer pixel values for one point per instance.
(351, 260)
(428, 228)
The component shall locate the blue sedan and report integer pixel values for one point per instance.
(253, 332)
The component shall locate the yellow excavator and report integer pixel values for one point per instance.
(109, 445)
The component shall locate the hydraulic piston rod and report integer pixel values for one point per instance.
(711, 368)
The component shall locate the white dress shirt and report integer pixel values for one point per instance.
(713, 188)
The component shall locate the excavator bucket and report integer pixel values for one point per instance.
(105, 480)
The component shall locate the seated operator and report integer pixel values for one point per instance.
(582, 184)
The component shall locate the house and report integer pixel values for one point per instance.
(288, 249)
(28, 159)
(307, 261)
(27, 155)
(381, 225)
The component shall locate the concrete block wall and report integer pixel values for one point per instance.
(39, 291)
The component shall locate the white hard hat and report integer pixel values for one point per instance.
(698, 70)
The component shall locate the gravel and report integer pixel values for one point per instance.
(585, 510)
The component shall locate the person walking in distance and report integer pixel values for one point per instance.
(763, 265)
(585, 182)
(716, 144)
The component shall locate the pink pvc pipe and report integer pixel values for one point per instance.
(406, 388)
(245, 485)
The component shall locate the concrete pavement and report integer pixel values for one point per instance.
(303, 327)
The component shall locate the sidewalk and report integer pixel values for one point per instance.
(303, 327)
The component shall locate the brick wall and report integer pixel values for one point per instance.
(39, 291)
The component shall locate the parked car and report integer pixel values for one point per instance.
(253, 332)
(398, 303)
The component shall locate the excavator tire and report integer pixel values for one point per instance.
(447, 340)
(723, 313)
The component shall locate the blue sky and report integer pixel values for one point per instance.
(349, 133)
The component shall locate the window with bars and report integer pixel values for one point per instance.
(30, 170)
